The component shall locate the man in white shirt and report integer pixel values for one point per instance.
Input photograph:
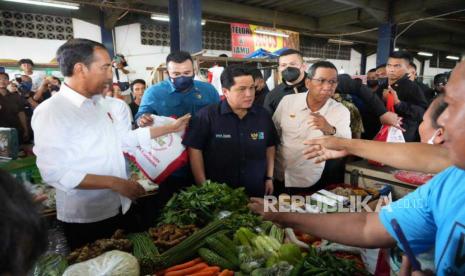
(301, 116)
(79, 146)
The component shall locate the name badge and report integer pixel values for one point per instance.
(257, 135)
(223, 136)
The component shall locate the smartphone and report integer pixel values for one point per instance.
(18, 78)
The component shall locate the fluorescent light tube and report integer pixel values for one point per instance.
(340, 41)
(453, 57)
(426, 54)
(55, 4)
(166, 18)
(273, 33)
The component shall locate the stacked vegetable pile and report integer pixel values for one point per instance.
(169, 235)
(200, 205)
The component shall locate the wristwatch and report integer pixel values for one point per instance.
(333, 132)
(268, 178)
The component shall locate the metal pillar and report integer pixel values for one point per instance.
(185, 25)
(386, 34)
(107, 35)
(363, 61)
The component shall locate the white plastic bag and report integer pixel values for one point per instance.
(112, 263)
(165, 155)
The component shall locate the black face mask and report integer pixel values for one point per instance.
(54, 88)
(372, 83)
(382, 81)
(291, 74)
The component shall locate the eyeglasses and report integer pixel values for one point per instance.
(323, 81)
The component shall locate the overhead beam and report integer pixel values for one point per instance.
(442, 38)
(242, 12)
(377, 13)
(339, 19)
(444, 47)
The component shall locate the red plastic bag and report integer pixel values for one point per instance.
(388, 133)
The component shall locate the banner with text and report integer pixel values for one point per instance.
(244, 39)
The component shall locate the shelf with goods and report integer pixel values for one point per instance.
(365, 175)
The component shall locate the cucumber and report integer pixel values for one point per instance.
(214, 259)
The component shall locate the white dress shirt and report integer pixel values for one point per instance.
(75, 136)
(291, 120)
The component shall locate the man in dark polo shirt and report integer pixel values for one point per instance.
(12, 110)
(234, 141)
(292, 69)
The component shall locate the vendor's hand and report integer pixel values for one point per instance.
(181, 123)
(145, 120)
(324, 148)
(392, 119)
(269, 187)
(257, 206)
(319, 122)
(406, 269)
(39, 198)
(128, 188)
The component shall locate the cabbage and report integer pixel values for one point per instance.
(112, 263)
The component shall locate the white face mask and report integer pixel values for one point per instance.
(431, 140)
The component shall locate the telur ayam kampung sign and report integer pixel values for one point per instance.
(246, 40)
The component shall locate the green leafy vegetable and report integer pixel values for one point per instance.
(200, 205)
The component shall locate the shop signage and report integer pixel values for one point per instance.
(245, 39)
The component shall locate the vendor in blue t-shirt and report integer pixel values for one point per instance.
(234, 141)
(432, 215)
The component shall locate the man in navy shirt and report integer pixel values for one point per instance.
(234, 141)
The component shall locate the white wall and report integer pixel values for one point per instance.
(43, 50)
(138, 56)
(83, 29)
(351, 67)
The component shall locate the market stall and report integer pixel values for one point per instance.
(208, 230)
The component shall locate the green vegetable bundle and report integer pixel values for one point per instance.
(325, 263)
(145, 251)
(50, 265)
(200, 205)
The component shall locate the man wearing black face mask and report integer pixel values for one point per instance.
(178, 95)
(372, 80)
(292, 69)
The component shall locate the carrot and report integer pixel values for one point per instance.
(189, 270)
(211, 270)
(226, 272)
(184, 265)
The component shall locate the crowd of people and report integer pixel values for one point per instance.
(291, 139)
